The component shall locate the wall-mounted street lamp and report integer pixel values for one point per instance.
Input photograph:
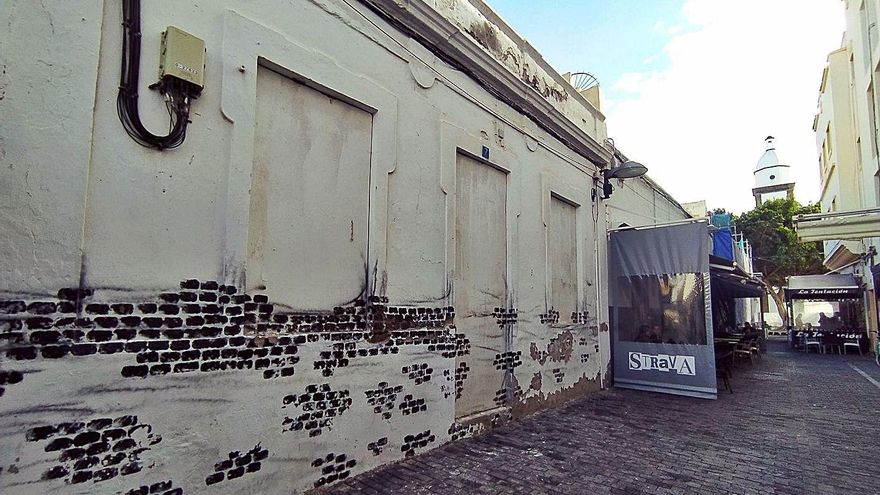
(627, 170)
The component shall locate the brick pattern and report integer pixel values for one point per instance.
(418, 372)
(333, 467)
(505, 316)
(580, 317)
(319, 404)
(550, 317)
(411, 405)
(378, 446)
(383, 398)
(238, 464)
(461, 374)
(208, 327)
(160, 488)
(412, 443)
(795, 424)
(507, 361)
(96, 450)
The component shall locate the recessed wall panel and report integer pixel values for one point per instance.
(480, 280)
(307, 234)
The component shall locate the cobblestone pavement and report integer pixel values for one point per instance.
(796, 423)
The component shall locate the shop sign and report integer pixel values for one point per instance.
(682, 365)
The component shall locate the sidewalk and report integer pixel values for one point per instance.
(796, 423)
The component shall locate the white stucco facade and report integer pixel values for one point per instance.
(377, 238)
(836, 145)
(846, 138)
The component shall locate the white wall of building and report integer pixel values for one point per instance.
(300, 246)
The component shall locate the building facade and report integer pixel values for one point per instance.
(381, 233)
(839, 160)
(846, 128)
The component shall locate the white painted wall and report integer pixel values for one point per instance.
(248, 202)
(637, 202)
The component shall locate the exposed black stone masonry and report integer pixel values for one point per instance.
(208, 327)
(333, 467)
(411, 443)
(410, 405)
(507, 360)
(418, 372)
(378, 446)
(458, 430)
(160, 488)
(95, 450)
(319, 405)
(505, 316)
(550, 318)
(382, 398)
(461, 374)
(238, 464)
(580, 318)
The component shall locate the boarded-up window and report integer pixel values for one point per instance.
(480, 278)
(307, 239)
(562, 254)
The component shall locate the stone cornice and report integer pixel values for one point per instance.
(420, 20)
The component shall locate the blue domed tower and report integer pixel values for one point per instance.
(772, 177)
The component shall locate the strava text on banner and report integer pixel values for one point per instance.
(682, 365)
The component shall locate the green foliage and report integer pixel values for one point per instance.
(777, 253)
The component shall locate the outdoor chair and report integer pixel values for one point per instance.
(722, 369)
(852, 341)
(830, 341)
(755, 347)
(743, 349)
(814, 341)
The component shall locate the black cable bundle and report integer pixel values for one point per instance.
(177, 93)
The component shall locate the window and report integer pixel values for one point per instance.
(828, 140)
(562, 252)
(864, 28)
(662, 308)
(872, 119)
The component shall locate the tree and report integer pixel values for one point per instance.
(777, 253)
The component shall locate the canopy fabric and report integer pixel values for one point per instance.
(722, 244)
(734, 285)
(854, 224)
(660, 250)
(660, 309)
(826, 287)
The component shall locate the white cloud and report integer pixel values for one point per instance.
(741, 71)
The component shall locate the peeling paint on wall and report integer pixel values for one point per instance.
(286, 375)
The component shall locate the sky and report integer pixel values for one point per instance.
(691, 88)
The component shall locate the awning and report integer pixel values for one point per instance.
(729, 280)
(823, 287)
(853, 224)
